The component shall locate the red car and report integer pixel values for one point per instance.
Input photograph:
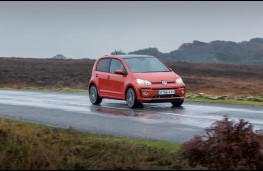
(136, 79)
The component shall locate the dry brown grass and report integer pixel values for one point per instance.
(214, 79)
(221, 79)
(224, 86)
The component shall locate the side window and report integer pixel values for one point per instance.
(116, 65)
(104, 65)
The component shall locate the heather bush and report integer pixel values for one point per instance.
(227, 145)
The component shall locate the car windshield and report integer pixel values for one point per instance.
(145, 64)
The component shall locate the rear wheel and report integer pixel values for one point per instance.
(131, 98)
(177, 103)
(94, 96)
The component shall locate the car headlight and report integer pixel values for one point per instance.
(179, 81)
(143, 82)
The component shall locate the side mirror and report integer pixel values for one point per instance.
(118, 71)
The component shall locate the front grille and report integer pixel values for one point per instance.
(161, 83)
(166, 96)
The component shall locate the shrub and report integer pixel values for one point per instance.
(227, 145)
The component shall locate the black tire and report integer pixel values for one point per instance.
(94, 96)
(177, 103)
(131, 98)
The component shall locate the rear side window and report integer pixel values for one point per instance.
(103, 65)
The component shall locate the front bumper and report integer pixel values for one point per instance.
(150, 94)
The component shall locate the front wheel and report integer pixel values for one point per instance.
(94, 96)
(177, 103)
(131, 98)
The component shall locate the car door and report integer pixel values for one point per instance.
(116, 81)
(102, 72)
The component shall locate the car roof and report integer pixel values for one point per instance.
(135, 56)
(131, 56)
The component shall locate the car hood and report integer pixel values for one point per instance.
(157, 76)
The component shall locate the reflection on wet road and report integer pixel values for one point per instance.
(151, 121)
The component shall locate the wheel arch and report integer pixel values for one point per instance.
(130, 86)
(90, 84)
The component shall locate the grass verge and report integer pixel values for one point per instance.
(31, 146)
(243, 100)
(62, 90)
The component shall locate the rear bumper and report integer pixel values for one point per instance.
(150, 95)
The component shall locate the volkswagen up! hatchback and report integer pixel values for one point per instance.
(136, 79)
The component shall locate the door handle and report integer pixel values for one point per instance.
(97, 75)
(108, 77)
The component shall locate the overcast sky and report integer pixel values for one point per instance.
(92, 29)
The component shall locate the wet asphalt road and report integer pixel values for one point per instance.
(158, 121)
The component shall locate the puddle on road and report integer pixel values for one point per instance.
(149, 112)
(152, 114)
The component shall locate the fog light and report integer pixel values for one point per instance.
(145, 93)
(183, 91)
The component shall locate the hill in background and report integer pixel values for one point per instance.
(246, 52)
(59, 56)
